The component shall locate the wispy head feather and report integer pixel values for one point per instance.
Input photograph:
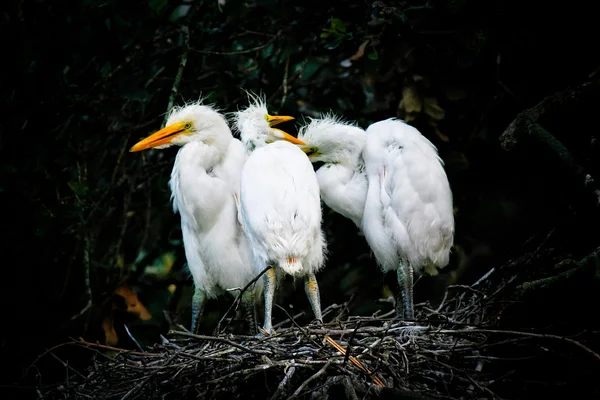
(255, 102)
(333, 138)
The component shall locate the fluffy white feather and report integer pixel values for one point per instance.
(391, 182)
(281, 209)
(342, 179)
(408, 211)
(204, 183)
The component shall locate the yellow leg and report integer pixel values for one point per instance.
(311, 287)
(405, 281)
(198, 302)
(270, 281)
(249, 309)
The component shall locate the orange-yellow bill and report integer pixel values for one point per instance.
(286, 136)
(164, 136)
(277, 119)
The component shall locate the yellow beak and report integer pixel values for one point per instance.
(164, 136)
(286, 136)
(278, 119)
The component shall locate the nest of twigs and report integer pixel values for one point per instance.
(454, 350)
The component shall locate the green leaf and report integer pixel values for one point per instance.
(80, 189)
(333, 44)
(180, 12)
(373, 54)
(337, 25)
(311, 66)
(267, 51)
(157, 5)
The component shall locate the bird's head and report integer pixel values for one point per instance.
(330, 139)
(192, 122)
(256, 125)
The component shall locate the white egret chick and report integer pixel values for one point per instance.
(342, 178)
(280, 207)
(395, 176)
(204, 184)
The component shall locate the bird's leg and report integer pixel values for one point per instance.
(198, 301)
(311, 287)
(405, 281)
(270, 280)
(249, 309)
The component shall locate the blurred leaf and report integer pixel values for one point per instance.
(411, 102)
(454, 93)
(433, 109)
(180, 12)
(333, 44)
(134, 306)
(336, 32)
(338, 25)
(267, 51)
(105, 70)
(79, 188)
(311, 66)
(158, 6)
(443, 137)
(110, 334)
(373, 55)
(344, 103)
(360, 52)
(162, 266)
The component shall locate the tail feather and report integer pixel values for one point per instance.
(291, 265)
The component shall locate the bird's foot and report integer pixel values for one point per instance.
(264, 333)
(315, 324)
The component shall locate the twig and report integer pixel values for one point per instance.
(184, 35)
(86, 274)
(66, 365)
(536, 335)
(237, 300)
(285, 80)
(354, 360)
(136, 388)
(281, 387)
(105, 347)
(139, 346)
(309, 380)
(220, 340)
(231, 53)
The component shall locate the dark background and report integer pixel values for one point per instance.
(83, 81)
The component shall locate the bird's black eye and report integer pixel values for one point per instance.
(311, 151)
(188, 126)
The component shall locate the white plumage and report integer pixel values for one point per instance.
(342, 180)
(204, 183)
(281, 209)
(394, 174)
(280, 206)
(408, 211)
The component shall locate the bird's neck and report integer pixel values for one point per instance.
(199, 155)
(350, 165)
(250, 145)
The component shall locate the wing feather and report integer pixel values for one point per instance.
(414, 201)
